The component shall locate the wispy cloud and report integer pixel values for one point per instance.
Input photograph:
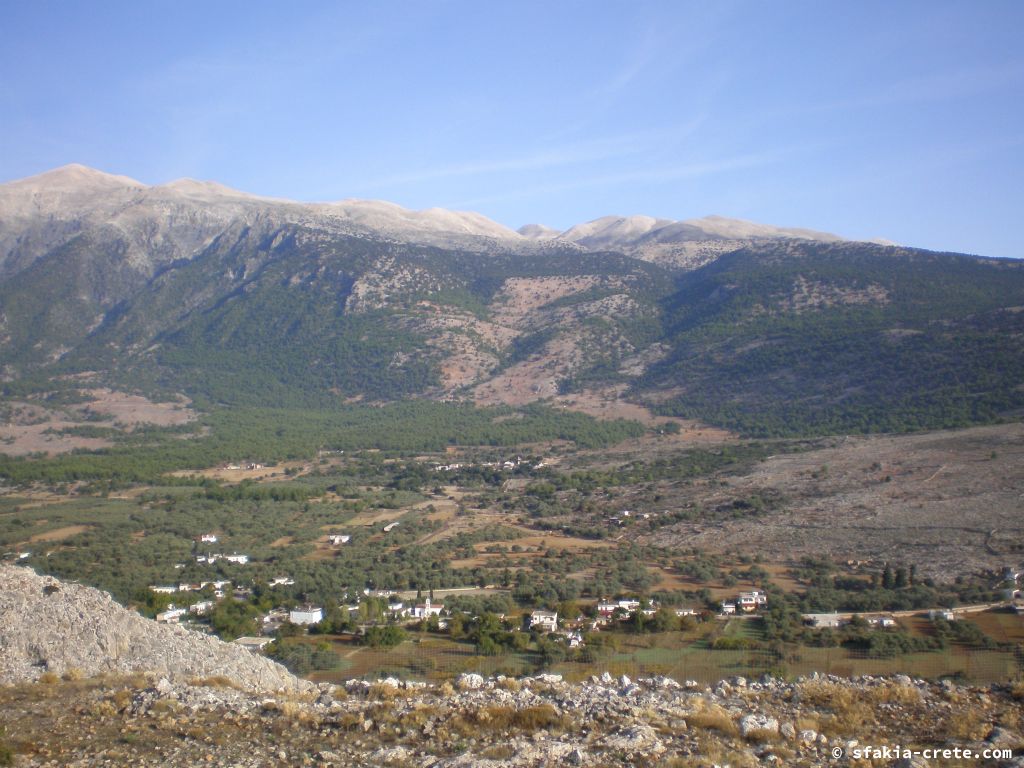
(678, 172)
(936, 87)
(579, 153)
(638, 60)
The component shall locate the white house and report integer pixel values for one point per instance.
(237, 558)
(607, 608)
(171, 615)
(546, 621)
(680, 612)
(425, 610)
(253, 643)
(208, 538)
(307, 614)
(273, 620)
(202, 607)
(337, 539)
(822, 620)
(728, 608)
(282, 581)
(163, 590)
(751, 601)
(216, 584)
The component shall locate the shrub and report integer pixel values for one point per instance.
(384, 637)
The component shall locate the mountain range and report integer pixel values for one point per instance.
(232, 298)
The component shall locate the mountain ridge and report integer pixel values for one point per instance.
(76, 183)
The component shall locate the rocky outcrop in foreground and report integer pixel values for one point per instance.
(505, 723)
(51, 626)
(204, 702)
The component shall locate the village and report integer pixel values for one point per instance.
(412, 611)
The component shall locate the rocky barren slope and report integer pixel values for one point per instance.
(68, 629)
(502, 723)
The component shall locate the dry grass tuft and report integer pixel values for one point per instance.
(120, 699)
(49, 678)
(419, 715)
(510, 684)
(165, 707)
(965, 725)
(104, 708)
(384, 692)
(852, 710)
(807, 724)
(819, 693)
(498, 752)
(762, 736)
(350, 721)
(712, 718)
(1011, 719)
(894, 693)
(711, 753)
(214, 681)
(504, 719)
(540, 717)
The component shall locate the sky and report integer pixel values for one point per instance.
(898, 120)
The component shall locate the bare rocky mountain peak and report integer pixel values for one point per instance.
(734, 229)
(41, 212)
(538, 232)
(642, 235)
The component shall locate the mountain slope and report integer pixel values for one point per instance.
(230, 298)
(823, 338)
(297, 315)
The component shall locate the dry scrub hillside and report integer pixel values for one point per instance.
(504, 723)
(949, 502)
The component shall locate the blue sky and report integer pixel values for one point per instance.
(902, 120)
